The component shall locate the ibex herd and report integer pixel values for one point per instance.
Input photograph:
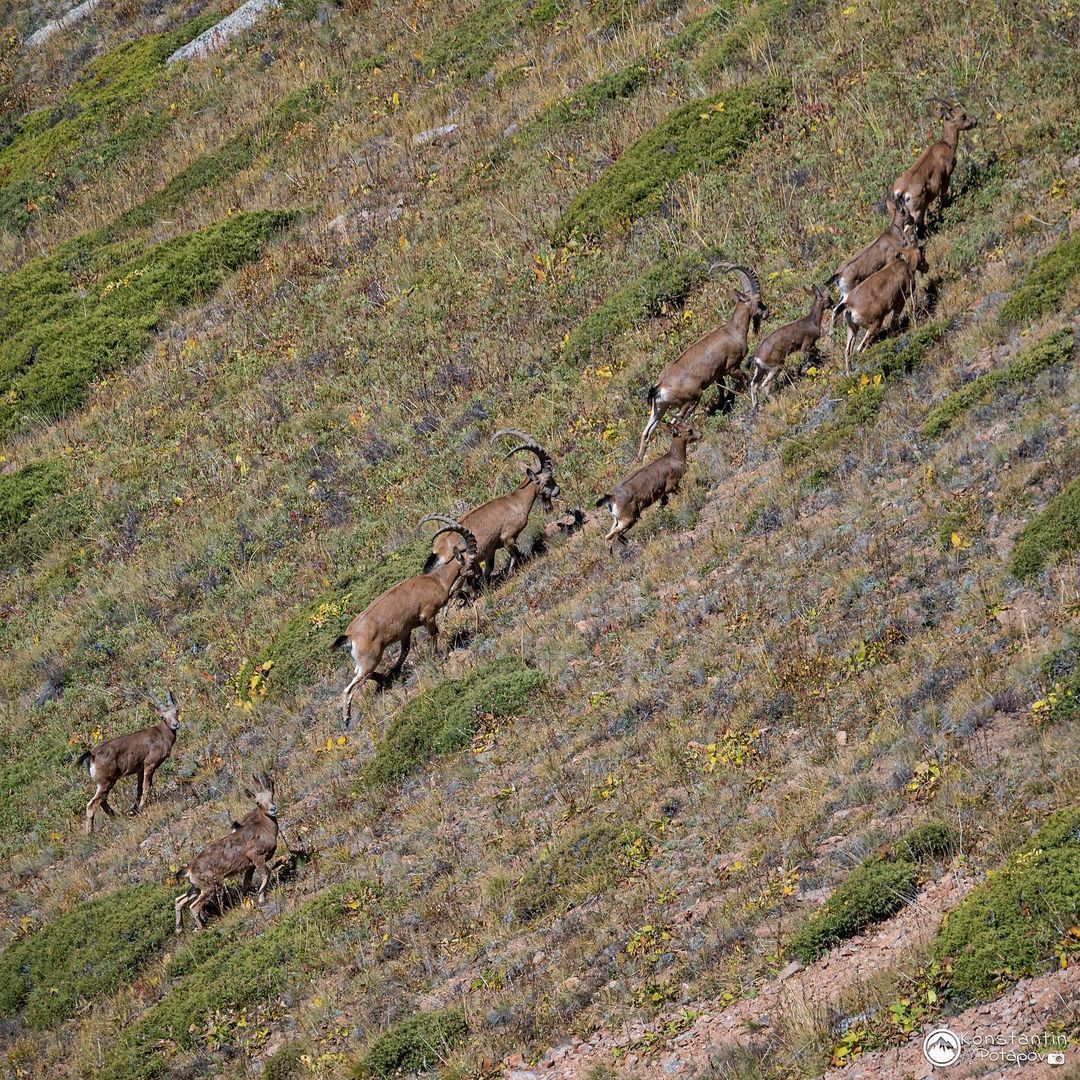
(877, 281)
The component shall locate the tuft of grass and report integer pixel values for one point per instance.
(285, 1064)
(1008, 927)
(299, 652)
(83, 954)
(1052, 349)
(63, 325)
(414, 1045)
(586, 862)
(1044, 284)
(1061, 669)
(703, 134)
(1056, 531)
(443, 719)
(872, 892)
(665, 284)
(930, 840)
(241, 972)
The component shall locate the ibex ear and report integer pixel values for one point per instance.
(249, 793)
(809, 292)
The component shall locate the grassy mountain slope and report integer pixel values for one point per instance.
(634, 779)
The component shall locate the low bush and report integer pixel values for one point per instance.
(930, 840)
(1053, 349)
(469, 48)
(1008, 927)
(1054, 532)
(444, 719)
(872, 892)
(1044, 285)
(86, 953)
(415, 1045)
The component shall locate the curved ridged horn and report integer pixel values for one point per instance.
(527, 443)
(747, 278)
(451, 525)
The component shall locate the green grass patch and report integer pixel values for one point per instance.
(1055, 532)
(39, 506)
(578, 866)
(469, 48)
(1035, 359)
(665, 284)
(299, 653)
(872, 892)
(930, 840)
(593, 99)
(22, 492)
(65, 321)
(863, 395)
(417, 1044)
(701, 135)
(1008, 927)
(754, 22)
(86, 953)
(101, 121)
(1061, 670)
(1044, 286)
(240, 973)
(444, 719)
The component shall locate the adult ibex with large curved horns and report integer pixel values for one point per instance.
(500, 521)
(928, 179)
(716, 357)
(403, 608)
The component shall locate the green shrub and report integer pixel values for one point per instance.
(285, 1064)
(592, 99)
(85, 953)
(39, 506)
(862, 400)
(469, 48)
(443, 719)
(61, 325)
(240, 973)
(665, 283)
(417, 1044)
(698, 136)
(1007, 928)
(930, 840)
(1045, 284)
(872, 892)
(23, 491)
(584, 863)
(1056, 531)
(1061, 669)
(1053, 349)
(299, 653)
(752, 22)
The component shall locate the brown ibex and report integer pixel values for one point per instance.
(928, 179)
(714, 358)
(874, 256)
(138, 753)
(800, 336)
(498, 522)
(869, 303)
(404, 607)
(249, 846)
(654, 482)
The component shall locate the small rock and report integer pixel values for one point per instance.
(795, 965)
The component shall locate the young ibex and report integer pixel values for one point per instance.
(411, 603)
(928, 179)
(138, 753)
(874, 256)
(498, 522)
(714, 358)
(249, 846)
(654, 482)
(800, 336)
(870, 302)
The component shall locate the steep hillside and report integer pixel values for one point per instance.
(769, 791)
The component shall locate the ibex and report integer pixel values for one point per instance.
(249, 846)
(654, 482)
(138, 753)
(713, 358)
(411, 603)
(874, 256)
(498, 522)
(870, 302)
(928, 179)
(800, 336)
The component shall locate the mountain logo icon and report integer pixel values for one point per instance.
(942, 1047)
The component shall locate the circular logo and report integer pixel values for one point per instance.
(941, 1047)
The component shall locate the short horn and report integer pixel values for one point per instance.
(154, 701)
(172, 699)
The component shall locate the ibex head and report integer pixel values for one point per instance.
(953, 112)
(169, 712)
(685, 429)
(750, 290)
(262, 791)
(468, 578)
(544, 475)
